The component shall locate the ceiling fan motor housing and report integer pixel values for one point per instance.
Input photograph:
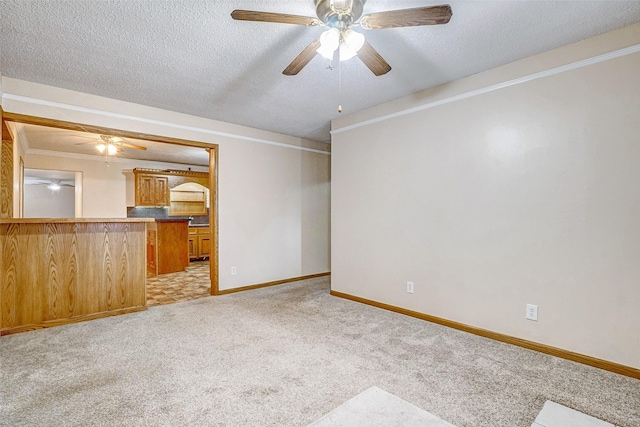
(333, 16)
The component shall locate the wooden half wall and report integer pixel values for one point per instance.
(54, 272)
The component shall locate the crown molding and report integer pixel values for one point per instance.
(470, 94)
(69, 107)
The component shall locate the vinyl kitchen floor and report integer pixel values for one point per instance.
(182, 286)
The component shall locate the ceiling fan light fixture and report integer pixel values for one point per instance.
(101, 147)
(351, 43)
(329, 42)
(54, 186)
(111, 149)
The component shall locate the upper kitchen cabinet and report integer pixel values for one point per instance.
(184, 192)
(188, 199)
(151, 189)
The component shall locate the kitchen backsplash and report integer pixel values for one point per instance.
(163, 213)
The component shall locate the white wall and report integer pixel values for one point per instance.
(527, 193)
(41, 202)
(273, 190)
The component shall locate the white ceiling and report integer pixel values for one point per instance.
(190, 56)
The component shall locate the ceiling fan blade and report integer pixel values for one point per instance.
(137, 147)
(372, 59)
(302, 59)
(85, 143)
(432, 15)
(282, 18)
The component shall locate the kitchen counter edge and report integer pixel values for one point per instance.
(71, 220)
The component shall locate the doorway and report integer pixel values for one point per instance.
(51, 194)
(212, 150)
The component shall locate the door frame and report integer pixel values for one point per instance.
(212, 149)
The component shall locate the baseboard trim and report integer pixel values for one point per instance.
(267, 284)
(531, 345)
(67, 321)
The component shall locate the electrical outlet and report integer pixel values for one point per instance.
(233, 270)
(410, 287)
(532, 312)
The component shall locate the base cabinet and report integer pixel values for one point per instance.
(167, 247)
(199, 242)
(152, 254)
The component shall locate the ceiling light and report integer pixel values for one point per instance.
(101, 147)
(350, 44)
(111, 149)
(329, 42)
(348, 41)
(54, 186)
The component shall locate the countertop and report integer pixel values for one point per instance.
(70, 220)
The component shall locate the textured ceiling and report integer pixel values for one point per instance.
(190, 56)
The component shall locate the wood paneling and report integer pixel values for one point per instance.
(66, 271)
(542, 348)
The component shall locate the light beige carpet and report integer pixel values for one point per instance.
(375, 407)
(284, 356)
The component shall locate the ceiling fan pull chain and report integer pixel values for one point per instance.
(339, 88)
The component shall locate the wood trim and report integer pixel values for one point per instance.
(6, 135)
(531, 345)
(60, 124)
(76, 319)
(6, 178)
(73, 220)
(172, 172)
(6, 170)
(267, 284)
(213, 221)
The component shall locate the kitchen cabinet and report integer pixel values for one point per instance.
(152, 254)
(188, 199)
(167, 250)
(199, 242)
(184, 192)
(151, 190)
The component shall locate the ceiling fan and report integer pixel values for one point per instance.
(112, 144)
(340, 16)
(52, 184)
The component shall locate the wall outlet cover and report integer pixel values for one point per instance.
(532, 312)
(410, 287)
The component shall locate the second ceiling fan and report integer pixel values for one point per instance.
(340, 16)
